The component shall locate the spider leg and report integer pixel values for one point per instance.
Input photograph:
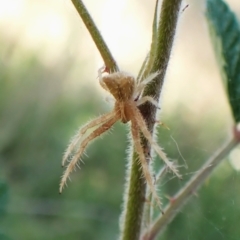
(142, 84)
(82, 131)
(145, 168)
(97, 132)
(100, 72)
(147, 99)
(142, 125)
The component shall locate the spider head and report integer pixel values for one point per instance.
(120, 84)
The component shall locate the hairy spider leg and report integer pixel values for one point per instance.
(142, 125)
(100, 72)
(97, 132)
(145, 82)
(138, 147)
(147, 99)
(82, 131)
(97, 121)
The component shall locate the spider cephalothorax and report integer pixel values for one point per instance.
(126, 92)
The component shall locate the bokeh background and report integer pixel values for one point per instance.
(48, 88)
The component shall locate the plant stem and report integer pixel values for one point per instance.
(148, 62)
(108, 59)
(136, 185)
(190, 188)
(163, 45)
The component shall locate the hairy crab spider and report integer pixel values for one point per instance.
(127, 94)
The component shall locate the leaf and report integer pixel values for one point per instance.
(225, 33)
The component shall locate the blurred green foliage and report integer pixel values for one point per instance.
(226, 34)
(37, 118)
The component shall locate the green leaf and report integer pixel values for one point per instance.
(225, 33)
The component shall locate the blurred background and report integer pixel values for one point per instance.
(48, 88)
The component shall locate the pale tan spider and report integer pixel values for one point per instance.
(127, 94)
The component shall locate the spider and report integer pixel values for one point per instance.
(126, 92)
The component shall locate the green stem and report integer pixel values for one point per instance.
(148, 211)
(190, 188)
(136, 186)
(143, 69)
(162, 47)
(108, 59)
(148, 62)
(134, 204)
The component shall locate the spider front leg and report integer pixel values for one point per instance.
(97, 132)
(145, 82)
(82, 131)
(142, 125)
(145, 168)
(100, 72)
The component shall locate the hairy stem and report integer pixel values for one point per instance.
(108, 59)
(136, 186)
(148, 62)
(190, 188)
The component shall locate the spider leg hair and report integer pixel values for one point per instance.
(145, 168)
(97, 132)
(82, 131)
(147, 99)
(142, 125)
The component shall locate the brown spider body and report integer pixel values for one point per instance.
(123, 111)
(121, 86)
(126, 92)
